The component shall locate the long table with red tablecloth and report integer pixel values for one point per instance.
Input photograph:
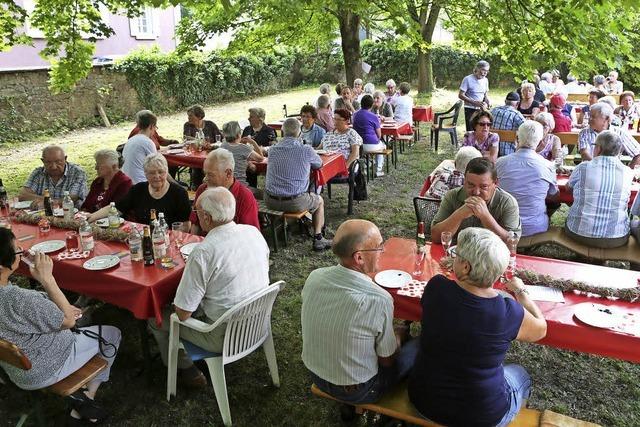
(333, 165)
(563, 330)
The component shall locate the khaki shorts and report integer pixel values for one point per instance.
(302, 202)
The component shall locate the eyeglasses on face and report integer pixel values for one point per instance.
(378, 249)
(487, 124)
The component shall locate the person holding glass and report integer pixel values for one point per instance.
(459, 376)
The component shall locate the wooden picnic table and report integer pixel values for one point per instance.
(563, 330)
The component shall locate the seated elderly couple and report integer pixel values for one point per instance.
(455, 367)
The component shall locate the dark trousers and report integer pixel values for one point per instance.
(468, 112)
(373, 389)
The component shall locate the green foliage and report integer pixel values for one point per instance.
(389, 59)
(12, 17)
(175, 80)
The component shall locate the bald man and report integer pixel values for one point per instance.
(58, 176)
(349, 344)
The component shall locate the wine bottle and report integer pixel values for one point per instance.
(48, 211)
(147, 247)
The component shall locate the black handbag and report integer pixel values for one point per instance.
(360, 183)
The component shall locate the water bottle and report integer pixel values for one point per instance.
(67, 207)
(164, 227)
(86, 236)
(135, 244)
(114, 217)
(512, 244)
(585, 119)
(159, 246)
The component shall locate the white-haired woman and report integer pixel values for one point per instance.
(599, 83)
(357, 88)
(446, 179)
(244, 151)
(111, 184)
(528, 105)
(467, 327)
(529, 178)
(325, 89)
(324, 112)
(157, 192)
(369, 89)
(380, 105)
(550, 147)
(391, 92)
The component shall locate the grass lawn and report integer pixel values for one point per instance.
(592, 388)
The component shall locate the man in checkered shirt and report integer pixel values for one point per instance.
(57, 175)
(507, 117)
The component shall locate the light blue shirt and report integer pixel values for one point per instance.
(312, 136)
(137, 148)
(289, 169)
(529, 178)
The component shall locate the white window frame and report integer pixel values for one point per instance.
(151, 17)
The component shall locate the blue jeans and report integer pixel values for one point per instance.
(518, 384)
(373, 389)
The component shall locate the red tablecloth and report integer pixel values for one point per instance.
(563, 330)
(332, 165)
(191, 160)
(427, 181)
(395, 129)
(422, 113)
(566, 196)
(130, 285)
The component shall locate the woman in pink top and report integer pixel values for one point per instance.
(480, 138)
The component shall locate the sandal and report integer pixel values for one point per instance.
(87, 408)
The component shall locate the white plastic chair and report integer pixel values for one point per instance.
(248, 326)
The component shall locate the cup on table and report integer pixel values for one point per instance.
(177, 230)
(446, 238)
(71, 240)
(44, 226)
(419, 256)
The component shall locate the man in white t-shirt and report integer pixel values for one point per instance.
(403, 104)
(139, 146)
(473, 91)
(228, 266)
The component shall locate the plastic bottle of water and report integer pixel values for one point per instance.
(165, 228)
(67, 207)
(512, 244)
(159, 245)
(135, 244)
(86, 236)
(114, 217)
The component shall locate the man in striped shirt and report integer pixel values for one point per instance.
(287, 181)
(348, 339)
(601, 191)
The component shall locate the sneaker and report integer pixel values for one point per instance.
(322, 244)
(379, 174)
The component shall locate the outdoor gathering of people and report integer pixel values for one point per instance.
(224, 189)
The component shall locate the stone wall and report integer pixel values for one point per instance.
(27, 108)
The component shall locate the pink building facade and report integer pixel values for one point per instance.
(153, 27)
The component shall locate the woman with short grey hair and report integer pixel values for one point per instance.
(380, 105)
(446, 179)
(324, 113)
(244, 150)
(110, 185)
(157, 193)
(467, 327)
(550, 147)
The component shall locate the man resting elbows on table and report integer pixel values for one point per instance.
(478, 203)
(348, 340)
(228, 266)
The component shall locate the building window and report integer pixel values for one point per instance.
(144, 26)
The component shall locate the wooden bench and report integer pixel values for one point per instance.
(276, 220)
(556, 235)
(396, 404)
(369, 162)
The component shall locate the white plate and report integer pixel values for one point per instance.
(60, 213)
(104, 222)
(393, 278)
(174, 151)
(48, 246)
(188, 248)
(174, 146)
(598, 315)
(22, 205)
(101, 262)
(322, 152)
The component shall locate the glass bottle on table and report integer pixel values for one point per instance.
(135, 244)
(147, 247)
(153, 220)
(48, 210)
(512, 244)
(114, 217)
(67, 206)
(86, 236)
(165, 228)
(159, 246)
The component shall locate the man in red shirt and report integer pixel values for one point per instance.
(218, 171)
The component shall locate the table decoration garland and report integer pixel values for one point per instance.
(529, 277)
(108, 234)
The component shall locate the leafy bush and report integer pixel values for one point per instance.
(450, 65)
(168, 81)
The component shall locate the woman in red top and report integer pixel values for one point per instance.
(563, 123)
(110, 185)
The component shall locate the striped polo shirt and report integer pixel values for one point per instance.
(347, 323)
(290, 164)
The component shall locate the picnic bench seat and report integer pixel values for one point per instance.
(396, 404)
(276, 220)
(370, 162)
(556, 235)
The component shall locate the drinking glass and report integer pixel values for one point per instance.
(419, 260)
(446, 237)
(72, 241)
(178, 234)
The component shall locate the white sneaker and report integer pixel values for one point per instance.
(379, 174)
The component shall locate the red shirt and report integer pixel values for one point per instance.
(98, 197)
(246, 205)
(563, 123)
(157, 139)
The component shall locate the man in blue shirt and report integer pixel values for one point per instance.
(507, 117)
(287, 181)
(311, 133)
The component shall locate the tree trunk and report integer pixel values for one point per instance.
(350, 34)
(425, 68)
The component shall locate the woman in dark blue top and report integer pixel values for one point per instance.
(458, 378)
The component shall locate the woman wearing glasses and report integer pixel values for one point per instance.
(480, 138)
(40, 326)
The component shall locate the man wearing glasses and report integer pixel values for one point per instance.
(58, 176)
(348, 340)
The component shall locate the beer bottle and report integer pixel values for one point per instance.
(48, 211)
(147, 247)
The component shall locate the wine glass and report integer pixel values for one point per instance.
(419, 258)
(177, 231)
(446, 237)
